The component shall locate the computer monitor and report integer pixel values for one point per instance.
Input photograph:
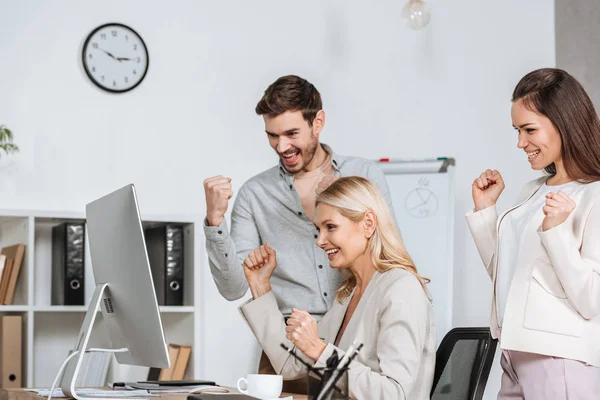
(124, 287)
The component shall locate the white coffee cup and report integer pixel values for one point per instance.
(261, 386)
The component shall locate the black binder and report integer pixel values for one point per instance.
(153, 374)
(165, 252)
(68, 265)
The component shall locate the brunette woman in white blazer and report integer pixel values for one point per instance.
(543, 254)
(382, 302)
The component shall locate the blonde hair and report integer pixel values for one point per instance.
(354, 196)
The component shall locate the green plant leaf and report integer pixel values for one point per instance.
(6, 138)
(5, 134)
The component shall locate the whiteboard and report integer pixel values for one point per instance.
(423, 199)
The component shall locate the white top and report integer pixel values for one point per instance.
(511, 234)
(553, 306)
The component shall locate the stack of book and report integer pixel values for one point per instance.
(94, 370)
(11, 258)
(179, 356)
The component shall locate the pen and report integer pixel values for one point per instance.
(353, 356)
(342, 365)
(347, 365)
(335, 373)
(307, 365)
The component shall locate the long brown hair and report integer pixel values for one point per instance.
(353, 196)
(557, 95)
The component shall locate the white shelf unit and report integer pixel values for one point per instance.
(49, 331)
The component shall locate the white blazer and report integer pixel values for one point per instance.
(394, 320)
(553, 305)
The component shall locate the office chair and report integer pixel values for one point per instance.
(463, 363)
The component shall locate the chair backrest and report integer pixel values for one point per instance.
(463, 363)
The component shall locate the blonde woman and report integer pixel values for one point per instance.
(382, 302)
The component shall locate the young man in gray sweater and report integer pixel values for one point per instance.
(277, 206)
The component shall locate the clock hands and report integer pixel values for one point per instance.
(119, 59)
(113, 57)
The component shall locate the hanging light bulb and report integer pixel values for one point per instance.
(416, 14)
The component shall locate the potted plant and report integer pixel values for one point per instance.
(6, 140)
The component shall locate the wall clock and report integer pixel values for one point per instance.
(115, 58)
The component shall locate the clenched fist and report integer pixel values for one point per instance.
(557, 209)
(218, 192)
(258, 268)
(486, 189)
(303, 332)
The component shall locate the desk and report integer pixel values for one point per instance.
(20, 394)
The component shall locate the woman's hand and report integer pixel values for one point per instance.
(258, 268)
(557, 209)
(303, 332)
(486, 189)
(324, 183)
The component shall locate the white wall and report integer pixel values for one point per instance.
(388, 91)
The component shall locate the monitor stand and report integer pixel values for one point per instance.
(72, 368)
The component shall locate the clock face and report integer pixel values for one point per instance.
(115, 58)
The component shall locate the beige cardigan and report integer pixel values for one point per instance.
(553, 305)
(394, 320)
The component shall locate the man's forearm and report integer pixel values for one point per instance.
(225, 266)
(214, 220)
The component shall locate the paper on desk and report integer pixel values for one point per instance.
(156, 388)
(191, 389)
(95, 393)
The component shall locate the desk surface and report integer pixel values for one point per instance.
(20, 394)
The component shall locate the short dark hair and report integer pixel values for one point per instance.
(560, 97)
(291, 93)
